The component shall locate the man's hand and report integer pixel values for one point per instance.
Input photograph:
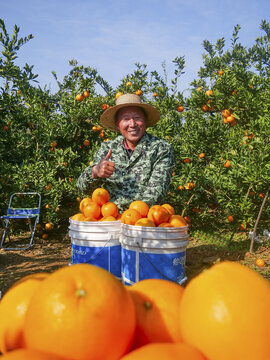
(104, 168)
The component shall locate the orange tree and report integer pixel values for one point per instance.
(226, 135)
(46, 138)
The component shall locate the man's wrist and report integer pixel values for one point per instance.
(94, 172)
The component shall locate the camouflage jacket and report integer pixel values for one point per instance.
(145, 175)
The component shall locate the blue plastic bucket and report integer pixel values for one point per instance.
(96, 243)
(153, 253)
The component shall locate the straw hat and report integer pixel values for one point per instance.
(108, 119)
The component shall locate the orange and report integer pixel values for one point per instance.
(145, 222)
(140, 206)
(230, 218)
(27, 354)
(85, 202)
(81, 312)
(260, 262)
(92, 210)
(220, 72)
(154, 94)
(158, 214)
(130, 216)
(139, 92)
(205, 108)
(226, 113)
(90, 219)
(227, 164)
(86, 142)
(123, 215)
(165, 224)
(118, 94)
(48, 226)
(78, 217)
(165, 351)
(100, 196)
(209, 93)
(225, 120)
(223, 307)
(108, 218)
(86, 93)
(189, 186)
(156, 303)
(187, 160)
(109, 209)
(169, 208)
(201, 155)
(79, 97)
(177, 221)
(230, 119)
(13, 307)
(180, 108)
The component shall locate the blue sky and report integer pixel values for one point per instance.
(112, 35)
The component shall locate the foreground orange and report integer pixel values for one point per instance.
(13, 307)
(225, 313)
(165, 351)
(81, 312)
(27, 354)
(156, 304)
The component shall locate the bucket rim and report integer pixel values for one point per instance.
(155, 229)
(94, 222)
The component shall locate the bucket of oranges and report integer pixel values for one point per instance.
(95, 233)
(153, 243)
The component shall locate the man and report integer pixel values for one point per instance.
(135, 165)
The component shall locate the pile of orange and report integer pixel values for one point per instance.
(139, 214)
(99, 208)
(84, 312)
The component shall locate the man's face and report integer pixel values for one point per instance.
(131, 122)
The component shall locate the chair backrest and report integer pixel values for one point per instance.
(22, 211)
(24, 204)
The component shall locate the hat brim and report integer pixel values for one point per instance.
(108, 119)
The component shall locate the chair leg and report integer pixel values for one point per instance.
(32, 231)
(6, 231)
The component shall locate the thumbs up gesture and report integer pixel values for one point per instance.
(105, 168)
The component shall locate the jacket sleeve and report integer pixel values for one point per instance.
(86, 183)
(159, 182)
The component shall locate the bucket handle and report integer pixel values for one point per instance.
(110, 237)
(139, 242)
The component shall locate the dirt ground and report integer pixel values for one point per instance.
(53, 253)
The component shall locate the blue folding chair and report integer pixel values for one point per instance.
(21, 206)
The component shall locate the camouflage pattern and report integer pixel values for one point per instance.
(143, 176)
